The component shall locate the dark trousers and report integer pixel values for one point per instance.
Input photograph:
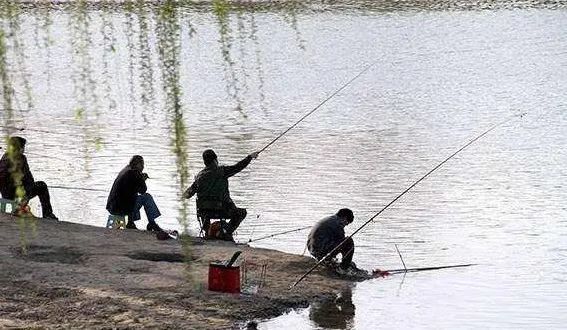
(39, 189)
(235, 214)
(346, 250)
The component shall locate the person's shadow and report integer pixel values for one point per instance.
(336, 313)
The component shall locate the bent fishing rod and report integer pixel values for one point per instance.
(402, 194)
(319, 105)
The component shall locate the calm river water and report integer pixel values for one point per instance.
(94, 85)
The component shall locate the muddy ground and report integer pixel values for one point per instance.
(78, 276)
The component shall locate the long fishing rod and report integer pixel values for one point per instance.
(21, 129)
(77, 188)
(277, 234)
(320, 105)
(13, 128)
(65, 187)
(413, 270)
(401, 194)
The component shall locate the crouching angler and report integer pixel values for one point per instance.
(129, 194)
(327, 234)
(213, 196)
(16, 179)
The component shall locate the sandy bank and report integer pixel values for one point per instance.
(78, 276)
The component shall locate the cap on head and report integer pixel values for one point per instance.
(16, 142)
(209, 157)
(346, 213)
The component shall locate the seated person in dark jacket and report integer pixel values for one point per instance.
(128, 195)
(213, 197)
(328, 233)
(16, 179)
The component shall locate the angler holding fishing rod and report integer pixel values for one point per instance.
(211, 184)
(348, 240)
(213, 196)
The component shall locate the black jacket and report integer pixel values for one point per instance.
(10, 169)
(128, 184)
(212, 182)
(325, 236)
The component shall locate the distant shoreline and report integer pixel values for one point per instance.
(311, 5)
(79, 276)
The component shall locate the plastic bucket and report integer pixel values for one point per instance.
(224, 278)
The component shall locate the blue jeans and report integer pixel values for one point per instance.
(147, 201)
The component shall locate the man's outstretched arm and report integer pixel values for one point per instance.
(232, 170)
(190, 191)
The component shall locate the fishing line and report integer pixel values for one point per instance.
(268, 145)
(64, 187)
(77, 188)
(304, 249)
(21, 129)
(403, 263)
(253, 228)
(402, 194)
(13, 128)
(277, 234)
(297, 123)
(320, 104)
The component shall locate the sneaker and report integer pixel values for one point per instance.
(153, 227)
(50, 216)
(343, 271)
(131, 225)
(226, 236)
(162, 236)
(351, 271)
(329, 264)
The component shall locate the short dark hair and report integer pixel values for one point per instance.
(346, 213)
(209, 156)
(17, 142)
(136, 159)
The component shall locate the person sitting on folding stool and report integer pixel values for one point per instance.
(17, 181)
(129, 194)
(213, 196)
